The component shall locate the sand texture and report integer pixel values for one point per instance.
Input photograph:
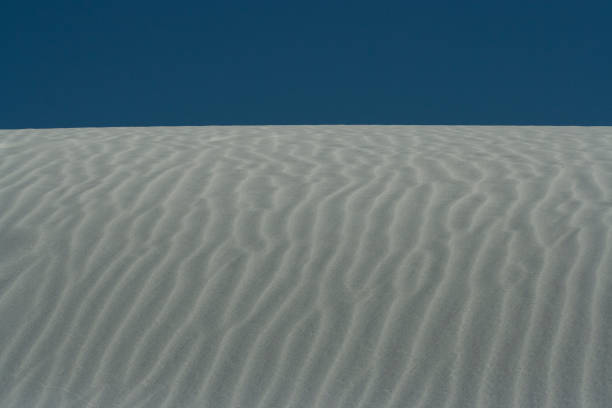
(306, 266)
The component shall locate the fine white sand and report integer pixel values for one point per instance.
(306, 266)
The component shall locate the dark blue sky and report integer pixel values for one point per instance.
(121, 63)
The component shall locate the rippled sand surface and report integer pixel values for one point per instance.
(306, 266)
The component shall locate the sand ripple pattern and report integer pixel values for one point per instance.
(306, 266)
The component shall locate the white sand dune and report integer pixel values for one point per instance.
(306, 266)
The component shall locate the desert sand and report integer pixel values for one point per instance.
(306, 266)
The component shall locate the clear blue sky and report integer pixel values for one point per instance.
(122, 63)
